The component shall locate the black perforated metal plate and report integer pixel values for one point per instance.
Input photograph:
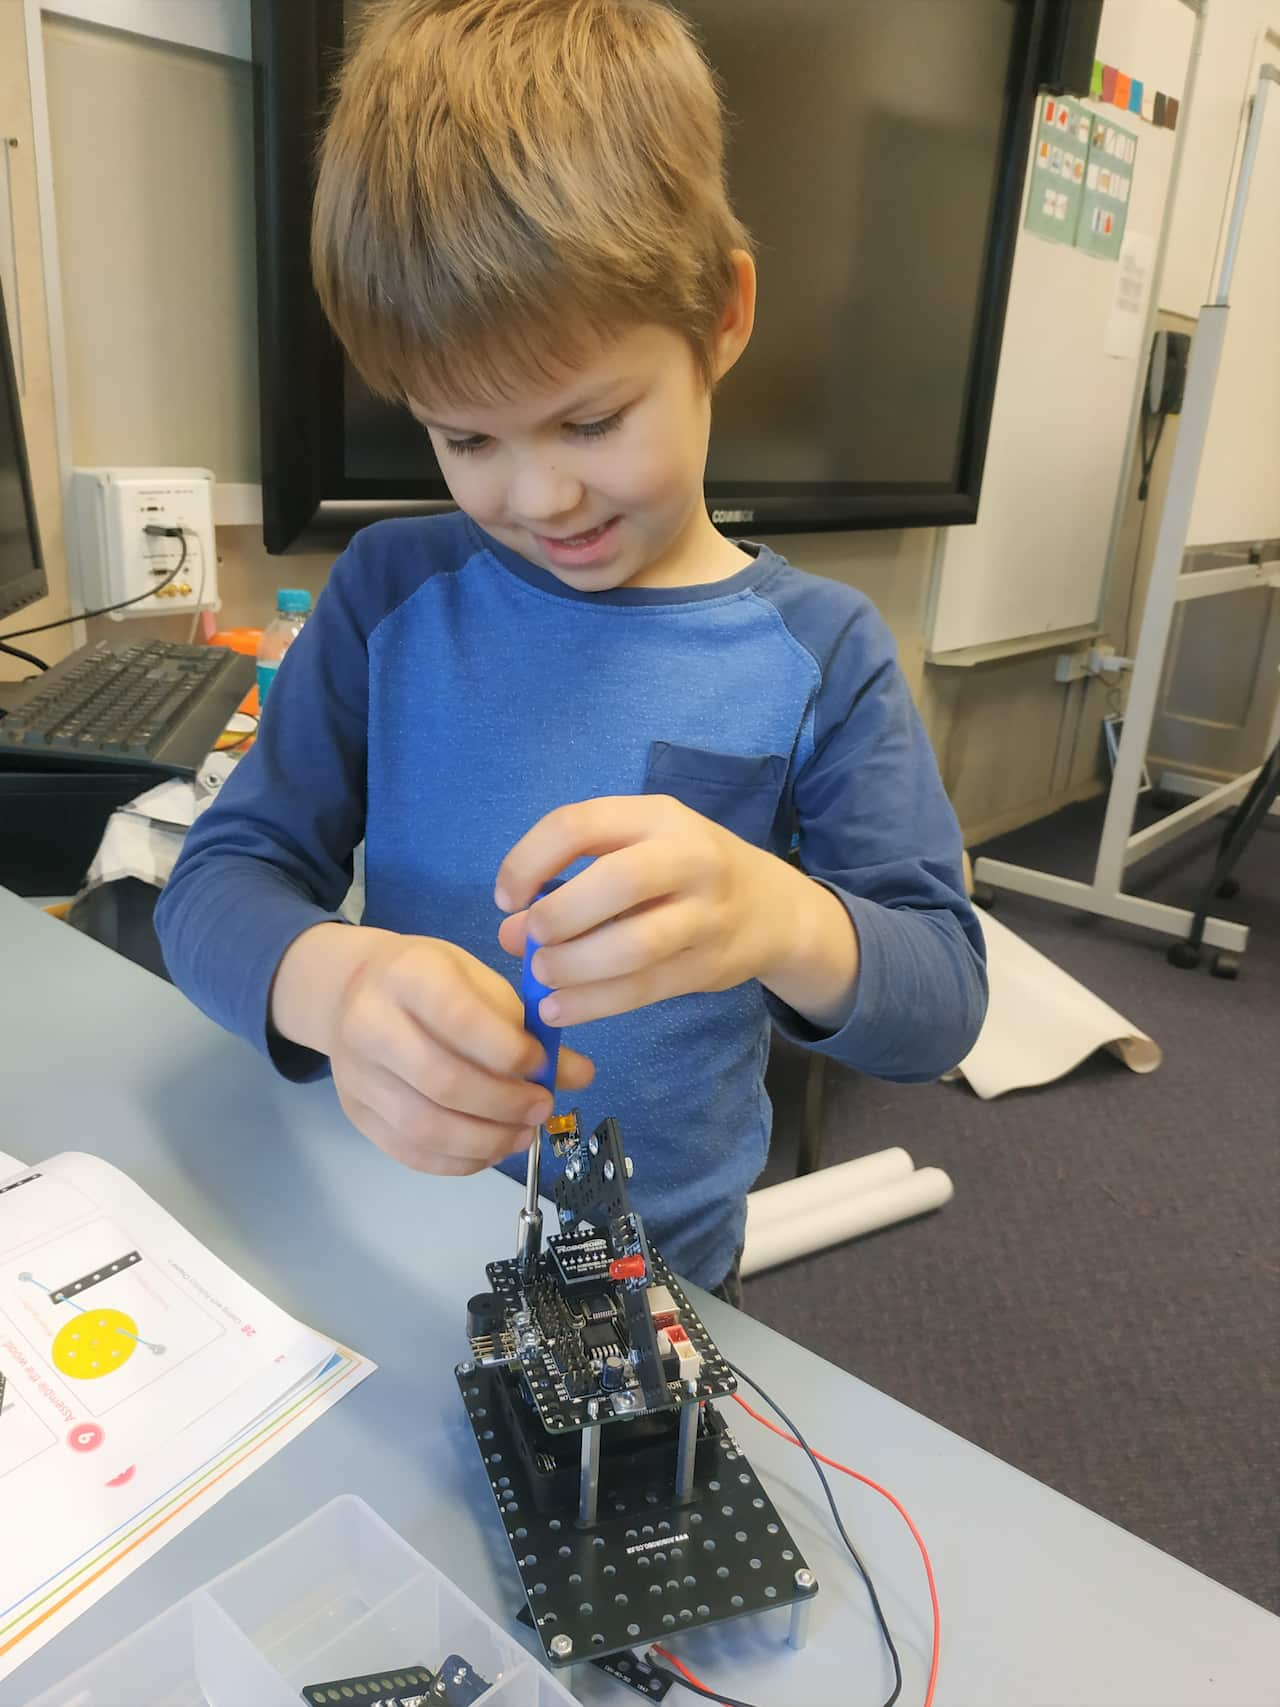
(648, 1568)
(624, 1667)
(559, 1412)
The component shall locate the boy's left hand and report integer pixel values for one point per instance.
(672, 903)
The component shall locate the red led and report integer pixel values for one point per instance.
(627, 1268)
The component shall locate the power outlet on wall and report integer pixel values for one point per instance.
(1100, 660)
(1071, 667)
(118, 559)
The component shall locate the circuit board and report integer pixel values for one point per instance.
(564, 1338)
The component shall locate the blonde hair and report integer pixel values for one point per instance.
(502, 180)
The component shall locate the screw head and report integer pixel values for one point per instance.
(806, 1580)
(561, 1646)
(608, 1170)
(593, 1144)
(631, 1167)
(464, 1369)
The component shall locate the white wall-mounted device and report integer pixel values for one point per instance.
(118, 559)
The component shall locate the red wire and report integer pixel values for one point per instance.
(906, 1518)
(681, 1668)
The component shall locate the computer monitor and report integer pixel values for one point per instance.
(876, 153)
(22, 576)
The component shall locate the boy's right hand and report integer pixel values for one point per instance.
(430, 1056)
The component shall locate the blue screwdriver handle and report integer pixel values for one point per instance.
(533, 990)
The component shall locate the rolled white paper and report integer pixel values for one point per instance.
(839, 1218)
(815, 1191)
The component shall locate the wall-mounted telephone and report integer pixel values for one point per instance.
(1167, 372)
(1166, 382)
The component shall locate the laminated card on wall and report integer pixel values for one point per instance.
(1058, 175)
(1107, 189)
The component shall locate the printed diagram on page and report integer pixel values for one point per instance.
(106, 1319)
(141, 1379)
(22, 1433)
(91, 1330)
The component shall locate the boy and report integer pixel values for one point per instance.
(522, 231)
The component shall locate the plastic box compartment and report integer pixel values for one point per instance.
(339, 1595)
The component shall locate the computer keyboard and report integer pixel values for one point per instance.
(151, 705)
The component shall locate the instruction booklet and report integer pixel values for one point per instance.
(140, 1380)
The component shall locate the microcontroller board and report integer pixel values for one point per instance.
(629, 1507)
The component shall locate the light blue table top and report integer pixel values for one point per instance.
(1043, 1603)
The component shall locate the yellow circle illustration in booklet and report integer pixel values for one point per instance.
(94, 1343)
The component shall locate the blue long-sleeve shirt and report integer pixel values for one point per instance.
(446, 694)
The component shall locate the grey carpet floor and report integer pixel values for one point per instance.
(1100, 1303)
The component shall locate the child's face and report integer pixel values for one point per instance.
(597, 476)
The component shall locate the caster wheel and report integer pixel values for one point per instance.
(1184, 955)
(1225, 965)
(984, 896)
(1229, 887)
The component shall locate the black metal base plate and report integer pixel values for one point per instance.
(624, 1667)
(648, 1568)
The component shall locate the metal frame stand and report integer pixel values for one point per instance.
(1194, 787)
(1245, 820)
(1120, 846)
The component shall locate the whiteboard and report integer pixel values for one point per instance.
(1035, 561)
(1231, 47)
(1238, 491)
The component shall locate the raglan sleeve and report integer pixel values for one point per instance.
(273, 855)
(876, 828)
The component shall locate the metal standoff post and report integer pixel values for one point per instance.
(529, 1234)
(798, 1634)
(686, 1453)
(589, 1476)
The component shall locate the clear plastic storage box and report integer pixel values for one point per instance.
(340, 1595)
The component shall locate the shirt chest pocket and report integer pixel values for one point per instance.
(742, 791)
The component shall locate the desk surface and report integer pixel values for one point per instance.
(1043, 1603)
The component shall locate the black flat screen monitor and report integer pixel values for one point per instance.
(876, 153)
(22, 577)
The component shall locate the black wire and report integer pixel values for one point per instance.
(26, 657)
(84, 615)
(1149, 456)
(808, 1451)
(776, 1408)
(696, 1688)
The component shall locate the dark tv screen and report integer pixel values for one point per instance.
(22, 574)
(876, 153)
